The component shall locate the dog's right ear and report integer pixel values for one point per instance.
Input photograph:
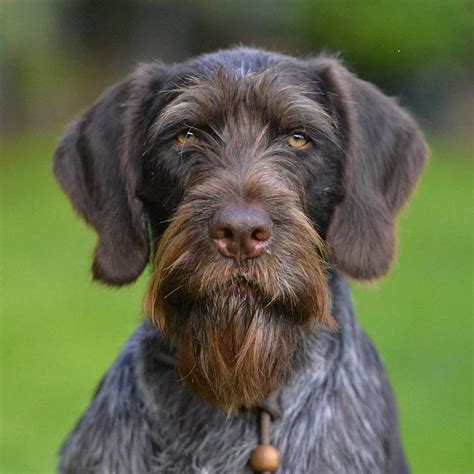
(99, 164)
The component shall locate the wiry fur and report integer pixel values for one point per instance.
(240, 329)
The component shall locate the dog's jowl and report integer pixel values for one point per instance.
(252, 184)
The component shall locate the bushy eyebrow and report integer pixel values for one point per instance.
(202, 102)
(302, 113)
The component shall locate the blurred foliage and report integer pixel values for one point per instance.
(60, 332)
(57, 55)
(388, 38)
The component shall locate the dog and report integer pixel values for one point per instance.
(255, 183)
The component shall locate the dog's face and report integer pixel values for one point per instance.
(254, 172)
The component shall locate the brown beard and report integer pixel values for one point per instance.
(235, 330)
(236, 355)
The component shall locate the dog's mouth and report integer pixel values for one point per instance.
(249, 289)
(242, 282)
(240, 288)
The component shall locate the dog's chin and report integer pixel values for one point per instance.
(233, 349)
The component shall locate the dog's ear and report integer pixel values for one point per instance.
(385, 154)
(99, 164)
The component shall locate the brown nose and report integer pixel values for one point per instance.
(241, 231)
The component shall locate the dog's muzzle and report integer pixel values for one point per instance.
(241, 231)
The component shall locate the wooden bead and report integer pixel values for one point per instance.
(265, 457)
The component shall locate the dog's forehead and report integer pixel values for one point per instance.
(268, 91)
(224, 89)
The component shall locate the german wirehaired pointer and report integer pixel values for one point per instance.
(256, 182)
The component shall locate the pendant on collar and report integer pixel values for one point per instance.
(265, 458)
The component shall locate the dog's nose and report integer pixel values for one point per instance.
(241, 231)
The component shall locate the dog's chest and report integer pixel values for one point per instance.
(333, 420)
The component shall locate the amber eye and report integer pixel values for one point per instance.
(185, 137)
(297, 140)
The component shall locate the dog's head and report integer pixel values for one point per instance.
(246, 174)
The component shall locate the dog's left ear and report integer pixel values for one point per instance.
(385, 154)
(99, 165)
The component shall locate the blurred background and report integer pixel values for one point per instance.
(59, 331)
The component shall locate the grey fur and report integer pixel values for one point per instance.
(338, 413)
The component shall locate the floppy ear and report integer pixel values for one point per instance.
(385, 154)
(99, 164)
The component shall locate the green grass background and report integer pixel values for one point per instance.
(59, 332)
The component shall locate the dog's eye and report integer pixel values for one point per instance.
(297, 140)
(185, 137)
